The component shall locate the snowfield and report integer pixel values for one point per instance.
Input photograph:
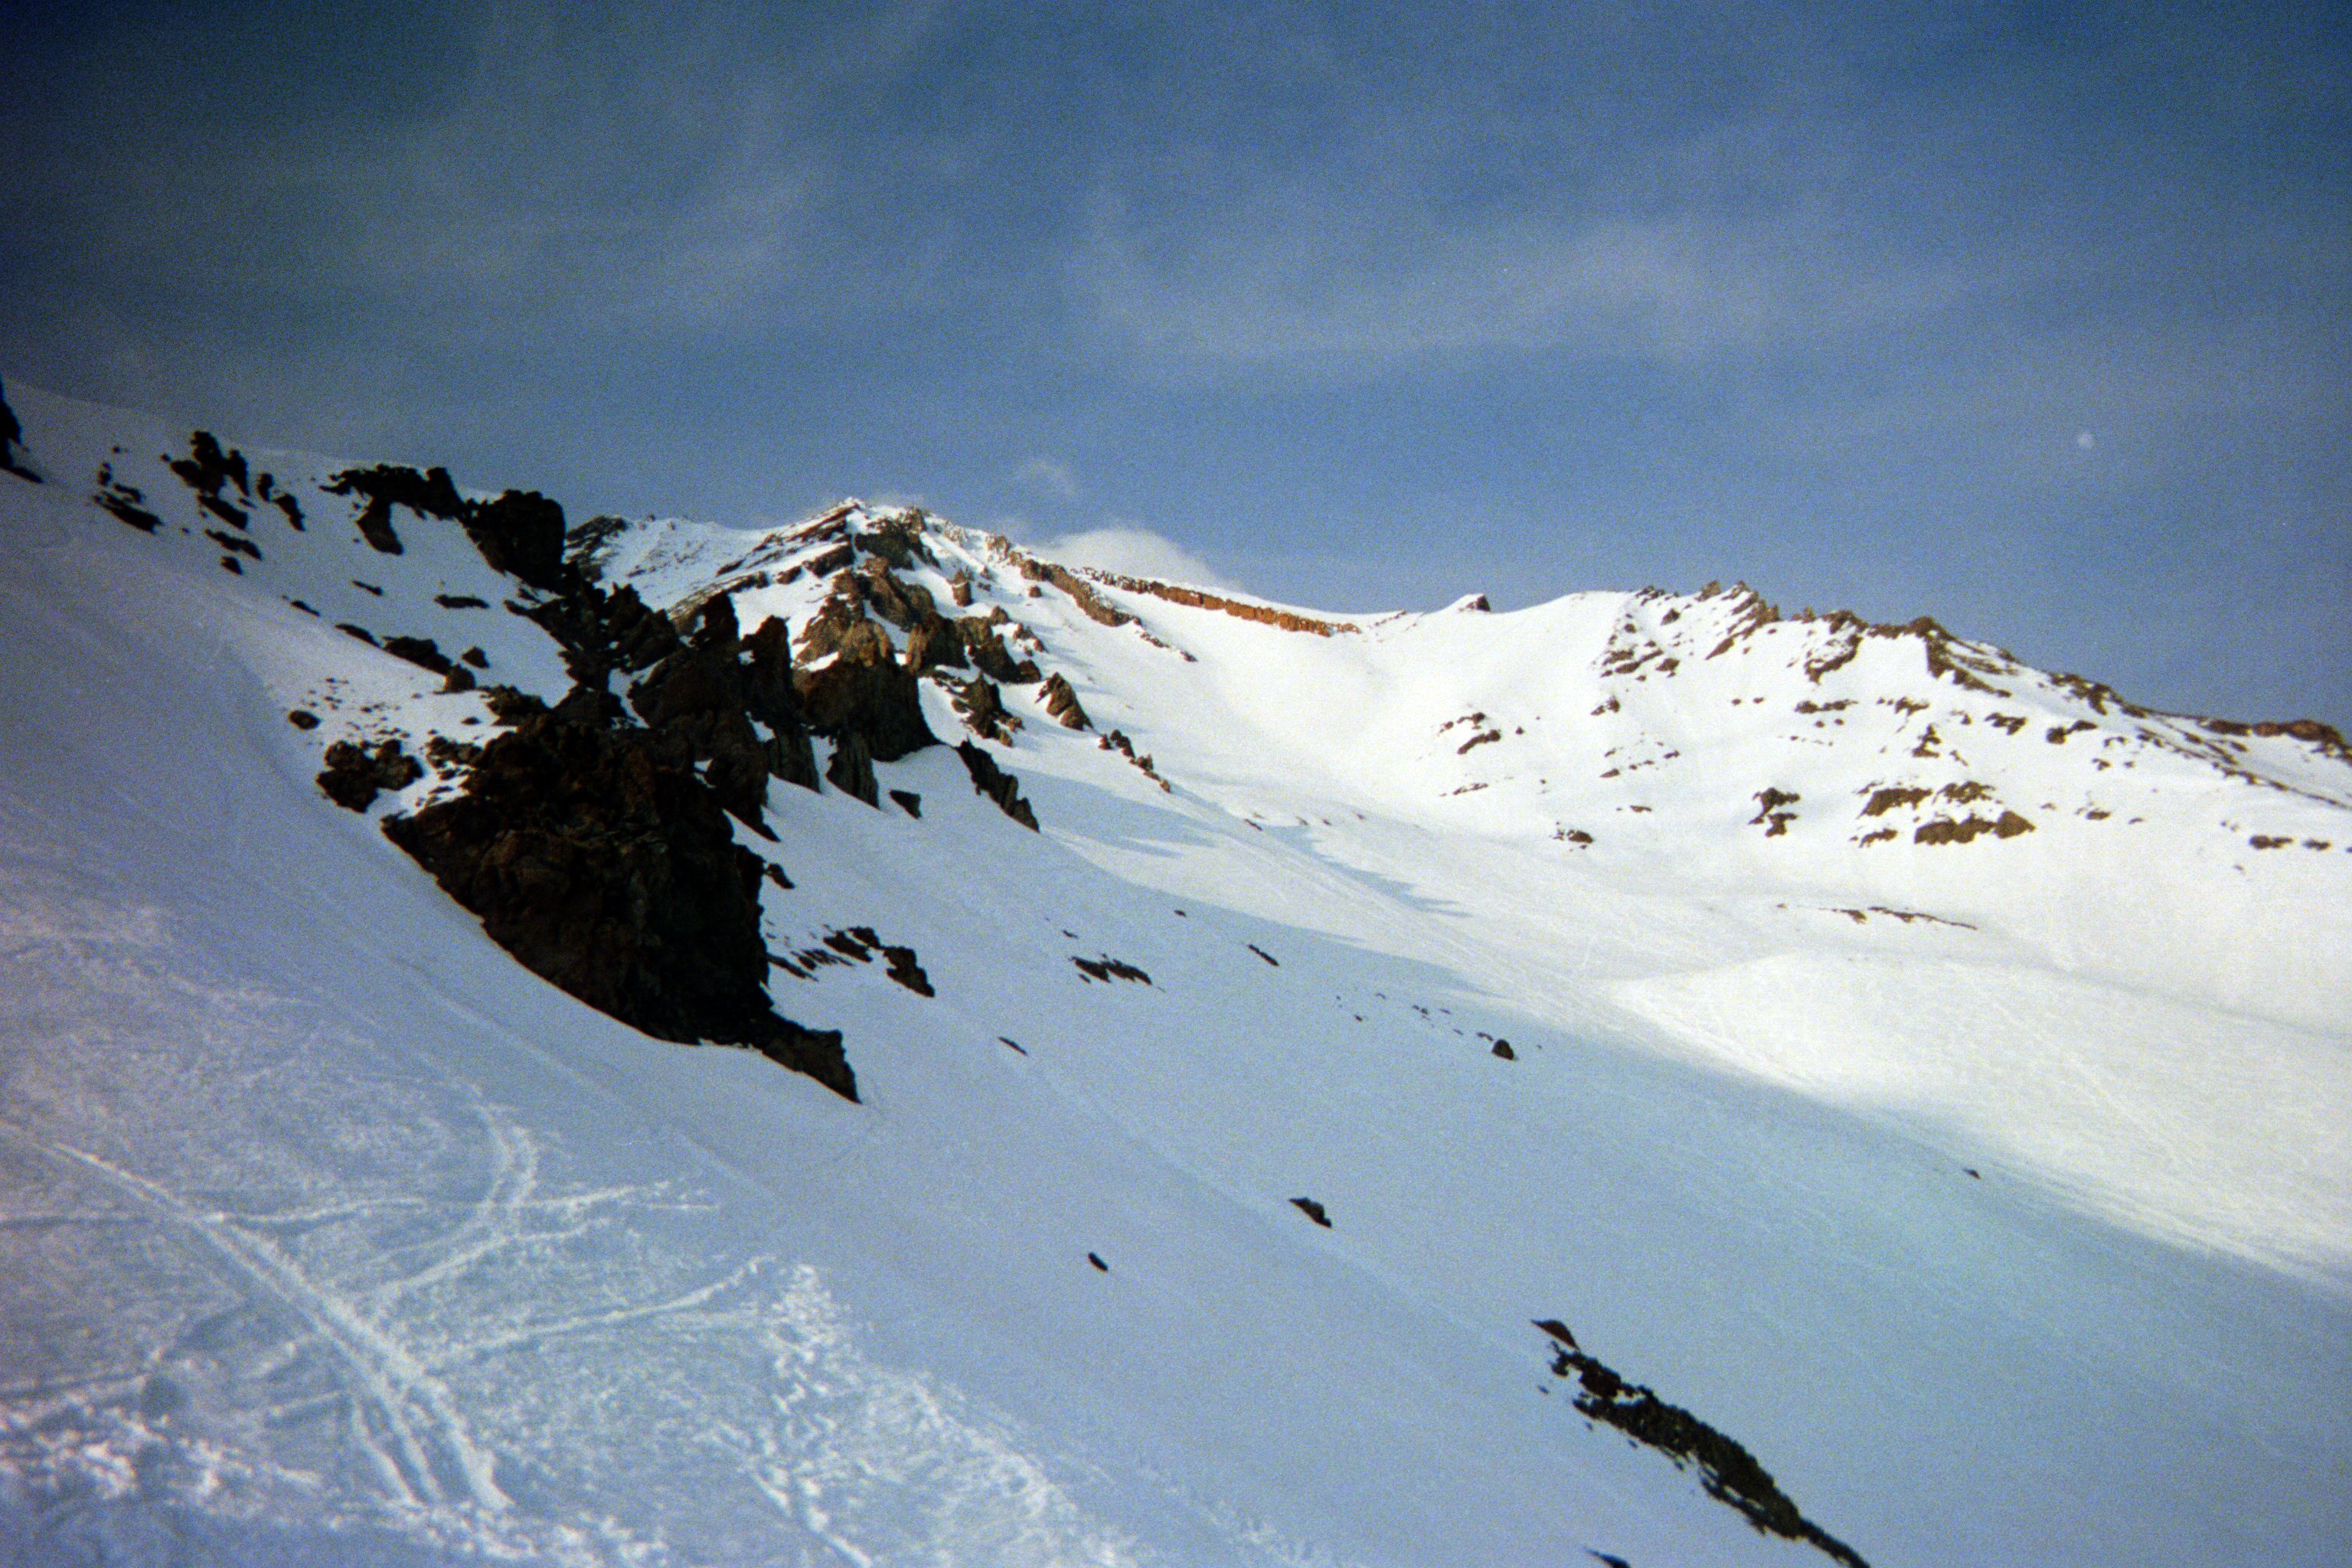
(1651, 964)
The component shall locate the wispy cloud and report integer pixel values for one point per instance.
(1049, 477)
(1297, 278)
(1133, 549)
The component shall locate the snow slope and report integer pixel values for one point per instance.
(1992, 1187)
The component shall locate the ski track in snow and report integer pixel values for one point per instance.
(270, 1331)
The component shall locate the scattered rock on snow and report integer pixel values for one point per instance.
(1727, 1472)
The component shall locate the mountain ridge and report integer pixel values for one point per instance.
(1551, 951)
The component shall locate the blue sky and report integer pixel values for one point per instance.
(2035, 319)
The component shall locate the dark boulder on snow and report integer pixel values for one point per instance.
(13, 458)
(355, 774)
(595, 855)
(422, 652)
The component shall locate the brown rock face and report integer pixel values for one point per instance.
(991, 658)
(934, 644)
(982, 706)
(1062, 704)
(596, 856)
(880, 703)
(1262, 614)
(865, 691)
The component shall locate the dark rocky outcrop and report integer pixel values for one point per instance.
(903, 605)
(422, 652)
(1096, 608)
(1107, 968)
(595, 854)
(898, 539)
(935, 644)
(355, 774)
(1116, 740)
(1727, 1472)
(998, 785)
(1769, 814)
(635, 637)
(585, 544)
(900, 963)
(699, 697)
(126, 503)
(990, 656)
(266, 487)
(1944, 830)
(14, 458)
(383, 485)
(1265, 614)
(206, 470)
(982, 707)
(1062, 704)
(770, 698)
(865, 693)
(520, 533)
(851, 771)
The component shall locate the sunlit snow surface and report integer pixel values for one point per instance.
(329, 1234)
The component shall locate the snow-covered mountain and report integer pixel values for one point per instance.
(1642, 1079)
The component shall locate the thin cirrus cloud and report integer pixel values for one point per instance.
(1292, 281)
